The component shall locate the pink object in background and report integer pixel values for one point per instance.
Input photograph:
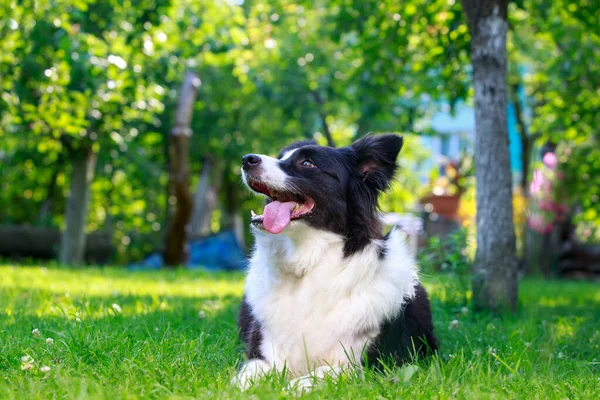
(536, 182)
(550, 160)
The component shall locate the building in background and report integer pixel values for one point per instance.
(454, 136)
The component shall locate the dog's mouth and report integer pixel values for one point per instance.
(282, 209)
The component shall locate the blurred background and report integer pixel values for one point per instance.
(123, 123)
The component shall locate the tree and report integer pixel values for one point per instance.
(557, 41)
(180, 171)
(272, 72)
(495, 279)
(73, 239)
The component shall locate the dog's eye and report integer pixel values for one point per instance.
(307, 164)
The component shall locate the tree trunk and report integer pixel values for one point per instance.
(212, 201)
(201, 199)
(495, 269)
(73, 238)
(232, 216)
(45, 212)
(108, 219)
(235, 214)
(179, 150)
(205, 199)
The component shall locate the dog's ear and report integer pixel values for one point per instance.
(376, 156)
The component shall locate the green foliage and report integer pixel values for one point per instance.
(105, 74)
(404, 193)
(118, 334)
(557, 44)
(449, 255)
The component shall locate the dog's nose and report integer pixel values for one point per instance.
(251, 161)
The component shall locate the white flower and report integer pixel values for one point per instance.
(527, 344)
(454, 324)
(45, 368)
(36, 332)
(77, 319)
(117, 308)
(201, 314)
(464, 310)
(26, 359)
(49, 341)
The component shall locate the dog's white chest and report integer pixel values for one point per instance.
(316, 307)
(307, 325)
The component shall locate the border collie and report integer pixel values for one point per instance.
(325, 290)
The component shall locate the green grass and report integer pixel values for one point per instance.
(159, 346)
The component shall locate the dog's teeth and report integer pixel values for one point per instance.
(252, 213)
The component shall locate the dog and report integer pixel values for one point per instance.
(325, 289)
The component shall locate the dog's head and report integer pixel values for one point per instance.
(333, 189)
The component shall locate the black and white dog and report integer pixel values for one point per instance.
(325, 288)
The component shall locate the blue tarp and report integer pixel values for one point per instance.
(219, 252)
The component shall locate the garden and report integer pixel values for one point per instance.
(125, 223)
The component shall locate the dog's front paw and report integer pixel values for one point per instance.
(306, 383)
(302, 384)
(250, 372)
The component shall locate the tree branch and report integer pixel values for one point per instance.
(317, 97)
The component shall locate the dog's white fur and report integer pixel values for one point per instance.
(316, 308)
(271, 173)
(288, 154)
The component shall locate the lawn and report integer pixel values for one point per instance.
(110, 333)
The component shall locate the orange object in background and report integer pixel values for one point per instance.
(443, 205)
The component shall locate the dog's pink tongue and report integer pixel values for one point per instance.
(277, 215)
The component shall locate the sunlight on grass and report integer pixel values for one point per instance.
(554, 302)
(111, 333)
(62, 292)
(110, 281)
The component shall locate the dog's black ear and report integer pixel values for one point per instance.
(376, 156)
(296, 145)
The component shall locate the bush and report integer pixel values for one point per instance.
(449, 254)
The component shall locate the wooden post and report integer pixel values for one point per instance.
(179, 150)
